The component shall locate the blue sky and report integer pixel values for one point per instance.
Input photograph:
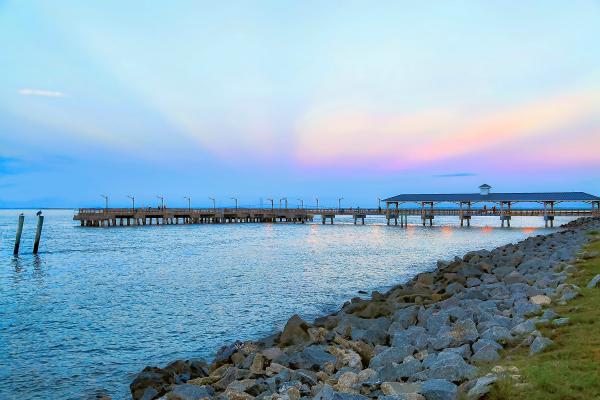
(299, 99)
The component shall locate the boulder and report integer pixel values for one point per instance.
(486, 354)
(540, 300)
(497, 334)
(151, 383)
(481, 387)
(595, 282)
(392, 354)
(311, 358)
(451, 367)
(478, 345)
(464, 331)
(399, 388)
(190, 392)
(439, 389)
(523, 328)
(295, 332)
(560, 321)
(539, 344)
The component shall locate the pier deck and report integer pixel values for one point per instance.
(97, 217)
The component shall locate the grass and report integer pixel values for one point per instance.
(569, 369)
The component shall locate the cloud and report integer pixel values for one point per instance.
(457, 174)
(39, 92)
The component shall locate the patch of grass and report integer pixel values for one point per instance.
(570, 369)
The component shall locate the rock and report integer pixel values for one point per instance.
(567, 292)
(478, 345)
(258, 364)
(393, 354)
(230, 375)
(295, 332)
(311, 358)
(190, 392)
(548, 315)
(540, 300)
(451, 367)
(406, 317)
(481, 387)
(464, 331)
(497, 334)
(402, 396)
(346, 381)
(486, 354)
(439, 389)
(560, 321)
(399, 388)
(150, 383)
(272, 353)
(514, 277)
(595, 282)
(523, 328)
(539, 344)
(408, 368)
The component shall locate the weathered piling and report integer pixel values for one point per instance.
(19, 232)
(38, 233)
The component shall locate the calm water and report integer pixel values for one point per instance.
(97, 305)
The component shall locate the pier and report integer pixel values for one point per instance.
(465, 206)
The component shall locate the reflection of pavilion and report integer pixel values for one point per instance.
(502, 203)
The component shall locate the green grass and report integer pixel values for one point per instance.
(570, 369)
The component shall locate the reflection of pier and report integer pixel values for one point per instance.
(394, 213)
(502, 205)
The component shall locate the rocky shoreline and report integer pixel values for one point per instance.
(421, 340)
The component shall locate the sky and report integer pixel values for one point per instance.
(270, 99)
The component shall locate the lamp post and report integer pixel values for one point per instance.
(272, 204)
(317, 199)
(214, 203)
(189, 199)
(132, 203)
(105, 202)
(340, 203)
(162, 202)
(236, 203)
(379, 204)
(286, 202)
(301, 203)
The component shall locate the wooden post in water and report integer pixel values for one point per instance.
(19, 232)
(38, 233)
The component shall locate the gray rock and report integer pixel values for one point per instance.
(295, 332)
(464, 331)
(595, 282)
(524, 308)
(190, 392)
(523, 328)
(436, 321)
(450, 366)
(539, 344)
(311, 358)
(388, 356)
(560, 321)
(514, 277)
(497, 334)
(548, 315)
(406, 317)
(478, 345)
(464, 351)
(472, 282)
(406, 337)
(481, 387)
(486, 354)
(408, 368)
(439, 389)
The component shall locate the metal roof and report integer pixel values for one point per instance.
(494, 197)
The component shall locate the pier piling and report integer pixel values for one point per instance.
(38, 233)
(19, 232)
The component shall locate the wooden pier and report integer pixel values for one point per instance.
(104, 217)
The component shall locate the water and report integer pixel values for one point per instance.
(97, 305)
